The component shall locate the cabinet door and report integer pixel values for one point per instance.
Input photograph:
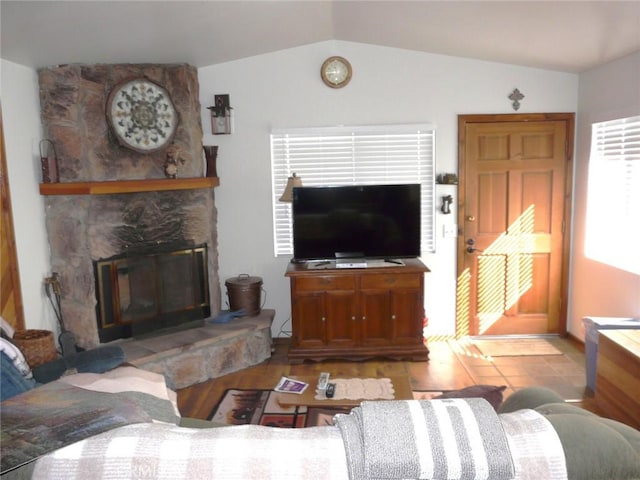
(308, 320)
(392, 309)
(407, 314)
(375, 322)
(340, 314)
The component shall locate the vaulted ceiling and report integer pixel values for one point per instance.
(570, 36)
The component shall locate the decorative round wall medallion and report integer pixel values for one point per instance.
(142, 115)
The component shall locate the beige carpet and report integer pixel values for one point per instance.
(516, 347)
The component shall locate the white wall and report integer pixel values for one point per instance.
(284, 89)
(22, 133)
(605, 93)
(389, 86)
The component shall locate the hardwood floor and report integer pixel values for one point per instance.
(452, 365)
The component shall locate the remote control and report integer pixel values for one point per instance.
(331, 390)
(323, 381)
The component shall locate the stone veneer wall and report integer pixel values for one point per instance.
(90, 227)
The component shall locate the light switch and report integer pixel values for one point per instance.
(450, 231)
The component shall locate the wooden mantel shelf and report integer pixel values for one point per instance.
(127, 186)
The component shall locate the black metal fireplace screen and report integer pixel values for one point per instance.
(143, 292)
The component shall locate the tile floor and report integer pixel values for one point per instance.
(565, 374)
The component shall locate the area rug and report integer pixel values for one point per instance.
(515, 347)
(258, 407)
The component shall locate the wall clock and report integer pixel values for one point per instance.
(141, 115)
(336, 72)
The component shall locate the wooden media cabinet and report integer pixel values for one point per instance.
(358, 313)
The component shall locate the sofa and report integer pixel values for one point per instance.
(19, 376)
(124, 423)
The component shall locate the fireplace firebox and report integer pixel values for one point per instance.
(151, 291)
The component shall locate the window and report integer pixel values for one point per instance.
(352, 156)
(613, 207)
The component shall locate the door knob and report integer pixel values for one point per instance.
(471, 248)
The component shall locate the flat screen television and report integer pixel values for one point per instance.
(360, 221)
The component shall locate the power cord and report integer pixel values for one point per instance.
(282, 332)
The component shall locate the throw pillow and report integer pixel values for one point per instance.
(12, 381)
(530, 397)
(491, 393)
(17, 357)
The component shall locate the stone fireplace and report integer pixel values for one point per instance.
(86, 228)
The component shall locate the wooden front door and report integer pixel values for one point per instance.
(514, 194)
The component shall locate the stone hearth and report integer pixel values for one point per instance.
(199, 354)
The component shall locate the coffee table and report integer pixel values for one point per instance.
(401, 387)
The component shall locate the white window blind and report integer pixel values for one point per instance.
(334, 156)
(614, 193)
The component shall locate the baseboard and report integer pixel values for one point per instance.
(576, 341)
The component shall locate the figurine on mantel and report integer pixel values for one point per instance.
(172, 162)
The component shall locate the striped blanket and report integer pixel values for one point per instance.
(167, 452)
(449, 438)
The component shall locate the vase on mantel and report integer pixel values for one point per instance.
(210, 155)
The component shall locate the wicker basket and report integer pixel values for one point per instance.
(36, 345)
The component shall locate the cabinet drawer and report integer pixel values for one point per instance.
(389, 281)
(325, 283)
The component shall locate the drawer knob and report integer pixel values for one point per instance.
(323, 319)
(393, 317)
(364, 317)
